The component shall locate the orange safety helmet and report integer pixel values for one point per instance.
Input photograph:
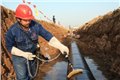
(24, 12)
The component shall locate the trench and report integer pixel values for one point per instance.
(58, 69)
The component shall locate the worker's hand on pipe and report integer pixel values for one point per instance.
(57, 44)
(64, 50)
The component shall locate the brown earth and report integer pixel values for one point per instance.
(100, 38)
(7, 19)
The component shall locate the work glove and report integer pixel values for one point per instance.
(18, 52)
(29, 56)
(57, 44)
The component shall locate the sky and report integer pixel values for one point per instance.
(73, 13)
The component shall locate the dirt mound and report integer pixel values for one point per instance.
(7, 19)
(100, 38)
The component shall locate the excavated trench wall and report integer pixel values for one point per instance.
(100, 38)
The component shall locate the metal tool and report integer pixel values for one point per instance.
(73, 72)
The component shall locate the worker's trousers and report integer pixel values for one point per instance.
(21, 68)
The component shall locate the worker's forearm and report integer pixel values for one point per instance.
(17, 52)
(55, 43)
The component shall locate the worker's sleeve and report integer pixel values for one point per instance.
(44, 33)
(10, 41)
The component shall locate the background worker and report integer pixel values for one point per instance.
(54, 21)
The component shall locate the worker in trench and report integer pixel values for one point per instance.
(22, 40)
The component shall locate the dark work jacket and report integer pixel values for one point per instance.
(16, 37)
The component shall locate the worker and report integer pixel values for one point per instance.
(54, 21)
(22, 40)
